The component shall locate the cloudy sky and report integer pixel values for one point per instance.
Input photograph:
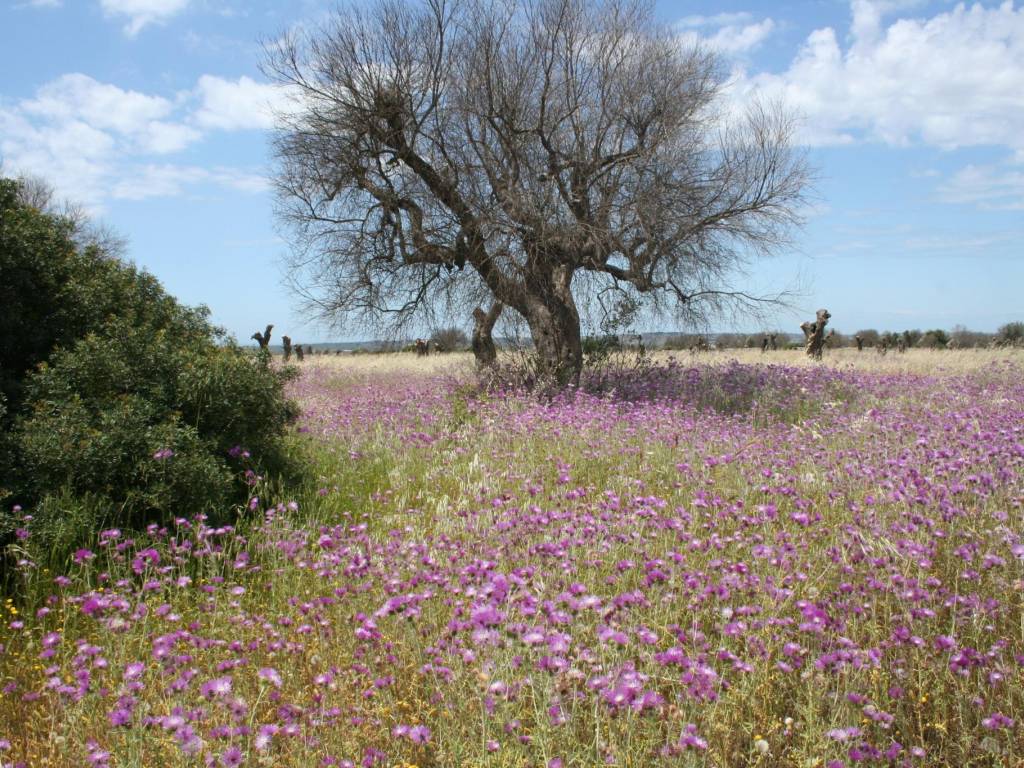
(153, 114)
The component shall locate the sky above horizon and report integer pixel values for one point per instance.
(153, 114)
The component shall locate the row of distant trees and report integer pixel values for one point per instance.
(1010, 334)
(454, 339)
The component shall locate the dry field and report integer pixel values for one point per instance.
(914, 361)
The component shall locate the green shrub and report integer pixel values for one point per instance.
(118, 405)
(156, 428)
(597, 349)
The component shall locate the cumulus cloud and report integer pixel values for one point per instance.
(236, 104)
(107, 107)
(97, 141)
(143, 12)
(730, 33)
(953, 80)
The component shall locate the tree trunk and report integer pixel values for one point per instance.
(554, 323)
(483, 341)
(815, 333)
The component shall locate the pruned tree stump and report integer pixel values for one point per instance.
(814, 334)
(263, 339)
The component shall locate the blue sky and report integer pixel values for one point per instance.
(153, 114)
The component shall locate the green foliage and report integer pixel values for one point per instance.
(451, 339)
(936, 338)
(149, 425)
(912, 337)
(1012, 333)
(54, 293)
(597, 349)
(119, 406)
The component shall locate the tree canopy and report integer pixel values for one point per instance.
(536, 153)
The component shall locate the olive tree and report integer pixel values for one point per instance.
(441, 155)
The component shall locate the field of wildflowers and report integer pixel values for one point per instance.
(704, 564)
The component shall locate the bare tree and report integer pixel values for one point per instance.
(443, 154)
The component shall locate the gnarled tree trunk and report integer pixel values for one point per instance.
(554, 322)
(483, 340)
(815, 334)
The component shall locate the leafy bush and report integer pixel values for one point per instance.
(597, 349)
(122, 406)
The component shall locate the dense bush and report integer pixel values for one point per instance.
(123, 406)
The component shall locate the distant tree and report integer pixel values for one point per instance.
(964, 338)
(890, 338)
(450, 339)
(533, 152)
(732, 341)
(1011, 333)
(682, 341)
(870, 337)
(911, 337)
(934, 339)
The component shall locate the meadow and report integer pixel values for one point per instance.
(715, 560)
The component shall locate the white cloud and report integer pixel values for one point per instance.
(717, 20)
(71, 154)
(143, 12)
(96, 141)
(953, 80)
(170, 180)
(103, 106)
(730, 33)
(241, 104)
(739, 39)
(991, 187)
(164, 138)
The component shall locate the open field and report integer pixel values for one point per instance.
(917, 361)
(725, 560)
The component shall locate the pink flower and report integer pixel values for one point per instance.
(271, 675)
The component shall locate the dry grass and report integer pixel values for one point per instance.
(916, 361)
(391, 363)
